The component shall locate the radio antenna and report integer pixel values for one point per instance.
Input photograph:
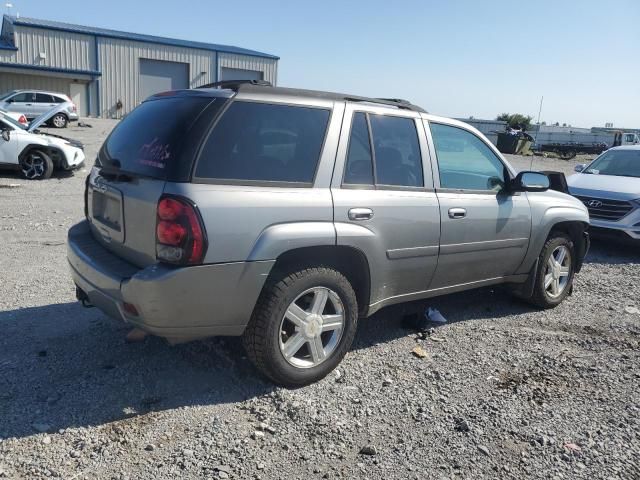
(535, 139)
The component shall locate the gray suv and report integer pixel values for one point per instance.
(286, 215)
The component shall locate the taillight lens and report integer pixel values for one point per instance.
(23, 120)
(180, 235)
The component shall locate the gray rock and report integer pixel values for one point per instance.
(368, 450)
(484, 450)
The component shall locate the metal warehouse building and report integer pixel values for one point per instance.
(108, 72)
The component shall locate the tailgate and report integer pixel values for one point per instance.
(122, 214)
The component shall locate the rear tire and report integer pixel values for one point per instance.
(36, 165)
(555, 273)
(59, 120)
(293, 337)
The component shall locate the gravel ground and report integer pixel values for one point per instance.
(504, 390)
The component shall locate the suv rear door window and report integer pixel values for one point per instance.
(44, 98)
(262, 142)
(396, 152)
(149, 139)
(465, 162)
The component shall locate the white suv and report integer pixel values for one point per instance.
(34, 153)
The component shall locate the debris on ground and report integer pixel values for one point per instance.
(420, 352)
(434, 315)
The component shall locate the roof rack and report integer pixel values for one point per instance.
(394, 102)
(235, 84)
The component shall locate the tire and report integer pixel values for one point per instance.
(59, 120)
(36, 165)
(551, 295)
(276, 321)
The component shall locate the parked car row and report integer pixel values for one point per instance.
(33, 103)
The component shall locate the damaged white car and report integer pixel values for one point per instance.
(36, 154)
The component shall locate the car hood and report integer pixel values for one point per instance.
(607, 186)
(45, 117)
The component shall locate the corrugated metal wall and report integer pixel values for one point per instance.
(120, 66)
(62, 49)
(14, 81)
(119, 62)
(268, 66)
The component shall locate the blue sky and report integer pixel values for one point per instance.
(454, 58)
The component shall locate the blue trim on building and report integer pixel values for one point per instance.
(8, 47)
(22, 66)
(103, 32)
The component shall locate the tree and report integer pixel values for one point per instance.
(516, 119)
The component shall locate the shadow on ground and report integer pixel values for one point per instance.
(63, 366)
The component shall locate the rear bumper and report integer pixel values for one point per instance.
(176, 303)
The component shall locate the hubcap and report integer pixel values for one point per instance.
(557, 271)
(58, 121)
(33, 166)
(311, 327)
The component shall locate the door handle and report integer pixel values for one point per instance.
(457, 213)
(27, 105)
(360, 214)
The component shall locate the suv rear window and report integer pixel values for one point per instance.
(261, 142)
(149, 139)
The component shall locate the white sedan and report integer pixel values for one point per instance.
(35, 153)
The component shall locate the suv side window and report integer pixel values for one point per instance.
(23, 97)
(43, 98)
(465, 162)
(396, 152)
(265, 143)
(359, 167)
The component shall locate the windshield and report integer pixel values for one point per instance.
(620, 163)
(7, 95)
(12, 122)
(148, 141)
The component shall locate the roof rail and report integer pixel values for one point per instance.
(235, 84)
(393, 102)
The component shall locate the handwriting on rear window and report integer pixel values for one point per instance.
(154, 154)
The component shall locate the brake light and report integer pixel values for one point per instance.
(73, 108)
(180, 235)
(23, 120)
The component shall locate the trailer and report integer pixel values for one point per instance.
(567, 151)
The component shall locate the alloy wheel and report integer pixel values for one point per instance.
(311, 327)
(59, 121)
(33, 166)
(557, 271)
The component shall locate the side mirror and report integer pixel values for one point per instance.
(530, 182)
(6, 135)
(581, 167)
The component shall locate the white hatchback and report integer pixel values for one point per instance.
(35, 153)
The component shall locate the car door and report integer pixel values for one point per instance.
(43, 103)
(8, 149)
(22, 102)
(384, 201)
(485, 229)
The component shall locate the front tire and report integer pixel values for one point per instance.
(556, 269)
(36, 165)
(302, 326)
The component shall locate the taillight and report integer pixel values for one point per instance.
(73, 108)
(180, 235)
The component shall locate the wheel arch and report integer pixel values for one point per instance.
(57, 155)
(349, 261)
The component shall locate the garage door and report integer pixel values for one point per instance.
(239, 74)
(159, 76)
